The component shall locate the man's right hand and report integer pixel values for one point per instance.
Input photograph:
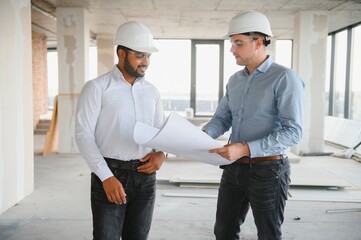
(114, 190)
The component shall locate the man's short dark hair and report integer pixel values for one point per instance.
(122, 47)
(265, 39)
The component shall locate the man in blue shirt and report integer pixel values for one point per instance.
(264, 107)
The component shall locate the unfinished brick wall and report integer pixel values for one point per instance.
(40, 79)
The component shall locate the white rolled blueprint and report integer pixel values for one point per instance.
(180, 137)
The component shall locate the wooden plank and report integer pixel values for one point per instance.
(51, 139)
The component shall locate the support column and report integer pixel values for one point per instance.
(310, 47)
(106, 52)
(16, 103)
(73, 54)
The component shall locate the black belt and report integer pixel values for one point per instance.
(261, 159)
(125, 165)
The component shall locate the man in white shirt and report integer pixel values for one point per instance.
(123, 179)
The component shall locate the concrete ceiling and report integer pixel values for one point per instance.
(191, 19)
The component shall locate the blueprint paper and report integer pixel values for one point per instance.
(179, 137)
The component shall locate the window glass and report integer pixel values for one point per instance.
(355, 75)
(230, 65)
(284, 53)
(93, 62)
(340, 73)
(207, 78)
(53, 84)
(328, 80)
(170, 72)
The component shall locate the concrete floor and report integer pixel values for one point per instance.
(59, 207)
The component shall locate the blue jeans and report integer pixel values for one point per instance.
(130, 221)
(263, 187)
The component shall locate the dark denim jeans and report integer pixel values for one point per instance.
(261, 186)
(130, 221)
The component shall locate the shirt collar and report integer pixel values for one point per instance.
(118, 75)
(263, 67)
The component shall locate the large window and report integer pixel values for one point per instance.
(207, 76)
(343, 81)
(191, 75)
(355, 76)
(328, 77)
(340, 74)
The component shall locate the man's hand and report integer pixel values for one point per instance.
(232, 151)
(114, 190)
(155, 161)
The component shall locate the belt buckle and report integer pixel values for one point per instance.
(137, 163)
(134, 166)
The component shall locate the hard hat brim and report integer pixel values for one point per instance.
(147, 49)
(228, 36)
(138, 49)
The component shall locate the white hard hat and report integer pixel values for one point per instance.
(249, 21)
(135, 36)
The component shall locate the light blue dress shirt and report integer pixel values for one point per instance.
(264, 109)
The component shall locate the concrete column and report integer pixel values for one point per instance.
(73, 51)
(310, 43)
(106, 52)
(16, 103)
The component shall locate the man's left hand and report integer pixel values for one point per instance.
(232, 151)
(155, 161)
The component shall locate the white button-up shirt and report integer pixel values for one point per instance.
(107, 110)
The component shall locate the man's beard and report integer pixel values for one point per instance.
(130, 70)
